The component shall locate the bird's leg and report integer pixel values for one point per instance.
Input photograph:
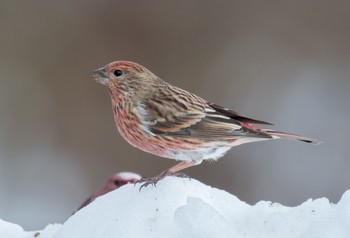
(173, 171)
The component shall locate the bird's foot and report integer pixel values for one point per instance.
(153, 181)
(181, 175)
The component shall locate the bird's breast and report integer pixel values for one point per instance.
(130, 128)
(133, 131)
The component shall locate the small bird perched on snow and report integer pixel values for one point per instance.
(170, 122)
(115, 181)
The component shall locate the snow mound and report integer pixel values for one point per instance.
(187, 208)
(180, 207)
(10, 230)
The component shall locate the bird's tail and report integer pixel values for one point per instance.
(284, 135)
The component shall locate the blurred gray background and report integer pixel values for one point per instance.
(287, 62)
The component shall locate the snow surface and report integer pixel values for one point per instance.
(180, 207)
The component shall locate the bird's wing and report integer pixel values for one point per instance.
(190, 116)
(235, 115)
(85, 203)
(162, 115)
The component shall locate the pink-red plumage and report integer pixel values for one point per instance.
(115, 181)
(170, 122)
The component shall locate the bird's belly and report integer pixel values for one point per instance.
(169, 147)
(173, 148)
(207, 153)
(141, 140)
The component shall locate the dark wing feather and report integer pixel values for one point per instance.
(187, 116)
(236, 116)
(223, 128)
(166, 116)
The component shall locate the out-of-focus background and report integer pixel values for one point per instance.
(287, 62)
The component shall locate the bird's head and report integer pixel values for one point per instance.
(125, 77)
(120, 179)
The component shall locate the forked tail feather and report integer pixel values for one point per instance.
(284, 135)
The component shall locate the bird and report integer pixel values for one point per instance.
(170, 122)
(115, 181)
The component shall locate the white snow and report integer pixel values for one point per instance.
(180, 207)
(10, 230)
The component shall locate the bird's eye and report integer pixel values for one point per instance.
(117, 183)
(118, 72)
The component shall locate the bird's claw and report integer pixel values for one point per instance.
(149, 181)
(153, 181)
(181, 175)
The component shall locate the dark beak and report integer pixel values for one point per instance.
(100, 72)
(100, 75)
